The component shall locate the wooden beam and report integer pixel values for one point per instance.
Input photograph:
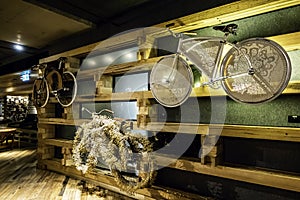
(59, 142)
(289, 41)
(108, 182)
(253, 132)
(115, 42)
(226, 13)
(256, 176)
(135, 66)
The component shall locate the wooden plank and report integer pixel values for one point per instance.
(226, 13)
(255, 132)
(58, 121)
(108, 182)
(120, 96)
(135, 66)
(122, 40)
(260, 132)
(289, 41)
(59, 142)
(171, 127)
(256, 176)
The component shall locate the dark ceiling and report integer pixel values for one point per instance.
(46, 27)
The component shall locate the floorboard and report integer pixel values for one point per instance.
(21, 180)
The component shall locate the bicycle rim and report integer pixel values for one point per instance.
(67, 95)
(171, 86)
(272, 71)
(138, 176)
(40, 93)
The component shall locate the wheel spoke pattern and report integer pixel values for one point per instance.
(171, 81)
(271, 67)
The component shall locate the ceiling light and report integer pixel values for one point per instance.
(18, 47)
(10, 89)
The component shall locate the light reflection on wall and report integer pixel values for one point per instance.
(112, 58)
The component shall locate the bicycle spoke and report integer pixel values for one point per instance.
(265, 85)
(270, 74)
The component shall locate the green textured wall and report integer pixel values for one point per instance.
(274, 113)
(264, 25)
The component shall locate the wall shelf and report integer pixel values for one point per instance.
(250, 175)
(237, 10)
(107, 181)
(256, 176)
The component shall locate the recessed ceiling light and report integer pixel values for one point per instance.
(18, 47)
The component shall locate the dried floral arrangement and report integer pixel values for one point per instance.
(126, 154)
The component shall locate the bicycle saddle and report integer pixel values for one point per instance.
(230, 28)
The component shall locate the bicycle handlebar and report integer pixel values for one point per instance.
(97, 113)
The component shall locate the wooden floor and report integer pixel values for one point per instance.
(21, 180)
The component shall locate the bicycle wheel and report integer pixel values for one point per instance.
(171, 81)
(139, 167)
(67, 94)
(270, 76)
(40, 92)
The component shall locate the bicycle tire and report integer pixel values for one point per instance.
(67, 94)
(272, 71)
(129, 180)
(40, 92)
(171, 93)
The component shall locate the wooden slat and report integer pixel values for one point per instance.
(256, 132)
(125, 96)
(226, 13)
(108, 182)
(58, 121)
(261, 132)
(59, 142)
(256, 176)
(118, 42)
(136, 66)
(289, 41)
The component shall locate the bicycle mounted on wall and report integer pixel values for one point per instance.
(55, 80)
(111, 142)
(255, 70)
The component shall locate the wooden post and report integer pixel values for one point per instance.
(67, 156)
(103, 84)
(146, 47)
(143, 112)
(72, 64)
(211, 150)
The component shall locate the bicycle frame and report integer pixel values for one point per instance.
(44, 73)
(52, 80)
(220, 43)
(244, 69)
